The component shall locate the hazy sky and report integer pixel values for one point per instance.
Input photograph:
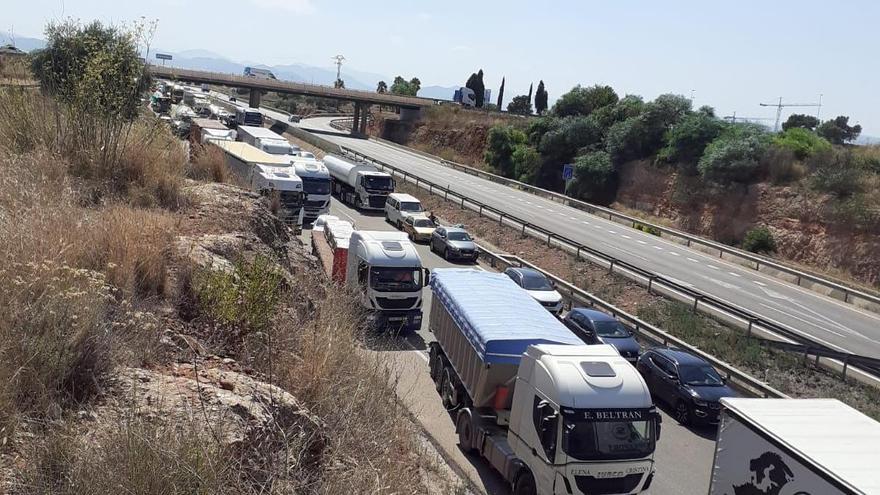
(733, 55)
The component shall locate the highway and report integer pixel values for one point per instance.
(684, 456)
(821, 318)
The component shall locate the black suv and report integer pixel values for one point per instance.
(686, 382)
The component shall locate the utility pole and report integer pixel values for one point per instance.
(779, 106)
(338, 61)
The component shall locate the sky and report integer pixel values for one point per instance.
(730, 55)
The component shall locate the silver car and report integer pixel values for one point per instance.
(453, 243)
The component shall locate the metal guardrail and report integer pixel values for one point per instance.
(751, 322)
(741, 379)
(756, 262)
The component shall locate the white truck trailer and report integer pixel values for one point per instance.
(795, 447)
(269, 176)
(316, 186)
(551, 414)
(359, 184)
(268, 141)
(386, 268)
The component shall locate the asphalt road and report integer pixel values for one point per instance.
(684, 455)
(837, 324)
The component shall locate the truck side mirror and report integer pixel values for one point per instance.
(427, 277)
(658, 420)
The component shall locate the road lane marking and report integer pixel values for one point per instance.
(812, 324)
(674, 253)
(693, 260)
(625, 236)
(713, 267)
(762, 284)
(658, 248)
(585, 222)
(735, 274)
(642, 242)
(573, 218)
(612, 232)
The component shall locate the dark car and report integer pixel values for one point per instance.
(541, 288)
(686, 382)
(596, 327)
(453, 243)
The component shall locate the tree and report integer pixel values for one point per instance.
(475, 83)
(97, 75)
(530, 95)
(401, 86)
(501, 94)
(541, 99)
(706, 110)
(526, 162)
(686, 141)
(594, 178)
(520, 105)
(500, 145)
(734, 155)
(569, 137)
(800, 120)
(584, 101)
(802, 142)
(838, 130)
(382, 87)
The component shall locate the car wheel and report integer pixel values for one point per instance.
(682, 413)
(525, 484)
(399, 225)
(446, 254)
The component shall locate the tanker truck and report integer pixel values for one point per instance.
(550, 414)
(358, 184)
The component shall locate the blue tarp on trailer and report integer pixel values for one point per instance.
(498, 317)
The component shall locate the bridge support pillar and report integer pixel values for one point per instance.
(254, 98)
(355, 122)
(359, 122)
(410, 114)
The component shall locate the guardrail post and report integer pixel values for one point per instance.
(549, 236)
(611, 267)
(846, 296)
(845, 365)
(462, 202)
(446, 194)
(431, 189)
(696, 302)
(749, 329)
(650, 282)
(501, 219)
(578, 253)
(524, 230)
(480, 213)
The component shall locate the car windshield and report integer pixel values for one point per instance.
(700, 375)
(610, 329)
(535, 281)
(423, 223)
(410, 206)
(396, 279)
(459, 236)
(316, 186)
(378, 182)
(587, 439)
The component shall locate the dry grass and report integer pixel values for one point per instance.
(15, 68)
(208, 164)
(457, 116)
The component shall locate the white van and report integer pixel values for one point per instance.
(398, 206)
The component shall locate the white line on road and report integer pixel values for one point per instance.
(573, 218)
(642, 242)
(762, 284)
(625, 236)
(674, 253)
(585, 222)
(735, 274)
(693, 260)
(713, 267)
(658, 248)
(612, 232)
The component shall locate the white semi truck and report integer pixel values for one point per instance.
(268, 141)
(269, 176)
(387, 270)
(316, 186)
(551, 414)
(359, 184)
(795, 447)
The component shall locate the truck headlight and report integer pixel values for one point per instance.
(700, 403)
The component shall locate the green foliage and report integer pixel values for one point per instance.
(628, 140)
(706, 110)
(520, 105)
(838, 130)
(838, 172)
(475, 82)
(584, 101)
(382, 87)
(802, 142)
(734, 155)
(541, 126)
(500, 94)
(245, 299)
(648, 229)
(526, 163)
(594, 178)
(799, 120)
(502, 141)
(572, 134)
(759, 240)
(628, 106)
(541, 99)
(686, 141)
(401, 86)
(666, 110)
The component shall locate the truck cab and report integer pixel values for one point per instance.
(316, 186)
(584, 419)
(386, 268)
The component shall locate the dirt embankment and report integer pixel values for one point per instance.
(799, 219)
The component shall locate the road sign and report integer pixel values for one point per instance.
(163, 56)
(567, 171)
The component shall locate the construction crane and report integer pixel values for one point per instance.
(733, 118)
(779, 105)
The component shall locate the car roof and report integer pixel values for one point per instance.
(527, 272)
(593, 314)
(679, 356)
(455, 229)
(403, 197)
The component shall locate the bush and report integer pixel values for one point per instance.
(802, 142)
(781, 165)
(759, 240)
(733, 156)
(584, 101)
(526, 163)
(686, 141)
(837, 172)
(594, 178)
(501, 142)
(648, 229)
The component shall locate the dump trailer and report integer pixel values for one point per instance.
(268, 141)
(551, 414)
(203, 130)
(795, 446)
(331, 247)
(359, 184)
(269, 176)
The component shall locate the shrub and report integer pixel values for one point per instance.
(837, 172)
(648, 229)
(686, 141)
(759, 240)
(526, 163)
(594, 178)
(781, 165)
(584, 101)
(802, 142)
(733, 156)
(499, 149)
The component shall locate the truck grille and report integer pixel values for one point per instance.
(315, 204)
(387, 303)
(604, 486)
(377, 201)
(549, 304)
(289, 199)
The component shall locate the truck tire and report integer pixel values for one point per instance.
(448, 390)
(466, 431)
(525, 484)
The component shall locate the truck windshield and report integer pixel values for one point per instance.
(291, 199)
(378, 183)
(591, 439)
(316, 186)
(253, 118)
(396, 278)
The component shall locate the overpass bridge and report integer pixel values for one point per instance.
(410, 106)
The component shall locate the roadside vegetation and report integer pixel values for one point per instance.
(96, 198)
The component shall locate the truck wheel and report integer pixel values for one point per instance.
(399, 225)
(466, 431)
(525, 484)
(682, 413)
(448, 390)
